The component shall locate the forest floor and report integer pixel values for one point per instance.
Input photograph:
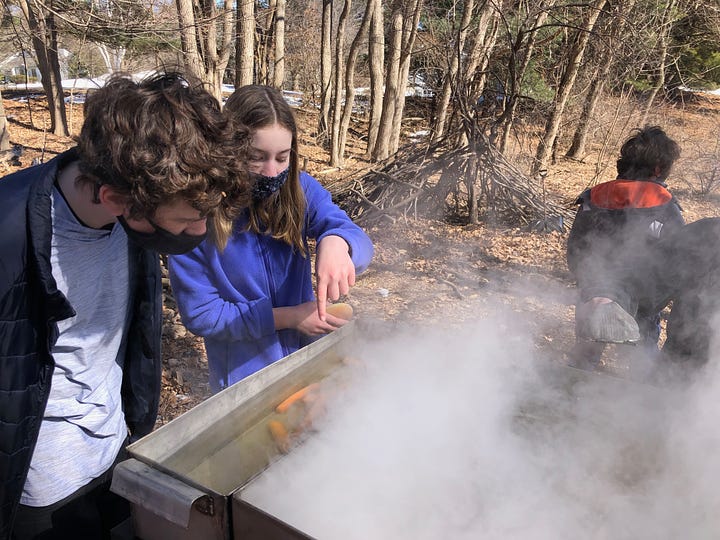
(431, 272)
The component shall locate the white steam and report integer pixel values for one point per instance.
(466, 436)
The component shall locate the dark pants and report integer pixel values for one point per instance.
(87, 514)
(689, 275)
(690, 324)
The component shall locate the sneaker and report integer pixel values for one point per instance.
(608, 323)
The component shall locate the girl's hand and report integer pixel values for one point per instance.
(335, 272)
(305, 319)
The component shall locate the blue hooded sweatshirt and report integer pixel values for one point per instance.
(227, 297)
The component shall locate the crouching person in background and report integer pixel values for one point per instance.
(613, 248)
(80, 294)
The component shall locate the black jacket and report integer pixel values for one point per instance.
(30, 306)
(612, 249)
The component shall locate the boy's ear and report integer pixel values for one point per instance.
(114, 202)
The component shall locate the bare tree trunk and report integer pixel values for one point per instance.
(376, 53)
(480, 45)
(325, 72)
(516, 76)
(189, 38)
(268, 48)
(350, 77)
(338, 86)
(449, 82)
(4, 132)
(664, 31)
(279, 74)
(471, 175)
(575, 55)
(392, 69)
(410, 26)
(577, 148)
(44, 37)
(204, 55)
(112, 56)
(615, 26)
(476, 73)
(245, 47)
(263, 35)
(222, 55)
(482, 41)
(261, 57)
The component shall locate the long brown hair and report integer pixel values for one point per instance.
(281, 215)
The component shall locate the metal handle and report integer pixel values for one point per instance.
(158, 492)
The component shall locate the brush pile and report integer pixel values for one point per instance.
(466, 183)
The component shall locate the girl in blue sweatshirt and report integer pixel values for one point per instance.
(253, 301)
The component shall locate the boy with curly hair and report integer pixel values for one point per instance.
(80, 293)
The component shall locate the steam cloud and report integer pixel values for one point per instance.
(467, 436)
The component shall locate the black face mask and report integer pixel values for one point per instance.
(267, 185)
(162, 240)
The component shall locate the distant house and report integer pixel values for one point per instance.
(15, 67)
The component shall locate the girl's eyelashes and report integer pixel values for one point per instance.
(260, 157)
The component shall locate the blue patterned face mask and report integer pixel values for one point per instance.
(267, 185)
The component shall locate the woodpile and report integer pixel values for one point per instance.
(470, 183)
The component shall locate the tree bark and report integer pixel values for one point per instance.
(451, 75)
(410, 26)
(664, 31)
(265, 51)
(392, 69)
(245, 46)
(577, 148)
(112, 56)
(325, 72)
(205, 55)
(615, 28)
(338, 85)
(567, 81)
(350, 77)
(524, 48)
(4, 132)
(481, 44)
(41, 23)
(376, 53)
(279, 72)
(476, 73)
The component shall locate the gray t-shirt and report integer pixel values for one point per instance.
(83, 428)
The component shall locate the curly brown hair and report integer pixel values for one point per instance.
(163, 139)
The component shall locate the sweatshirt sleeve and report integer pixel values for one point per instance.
(325, 218)
(675, 219)
(209, 305)
(578, 241)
